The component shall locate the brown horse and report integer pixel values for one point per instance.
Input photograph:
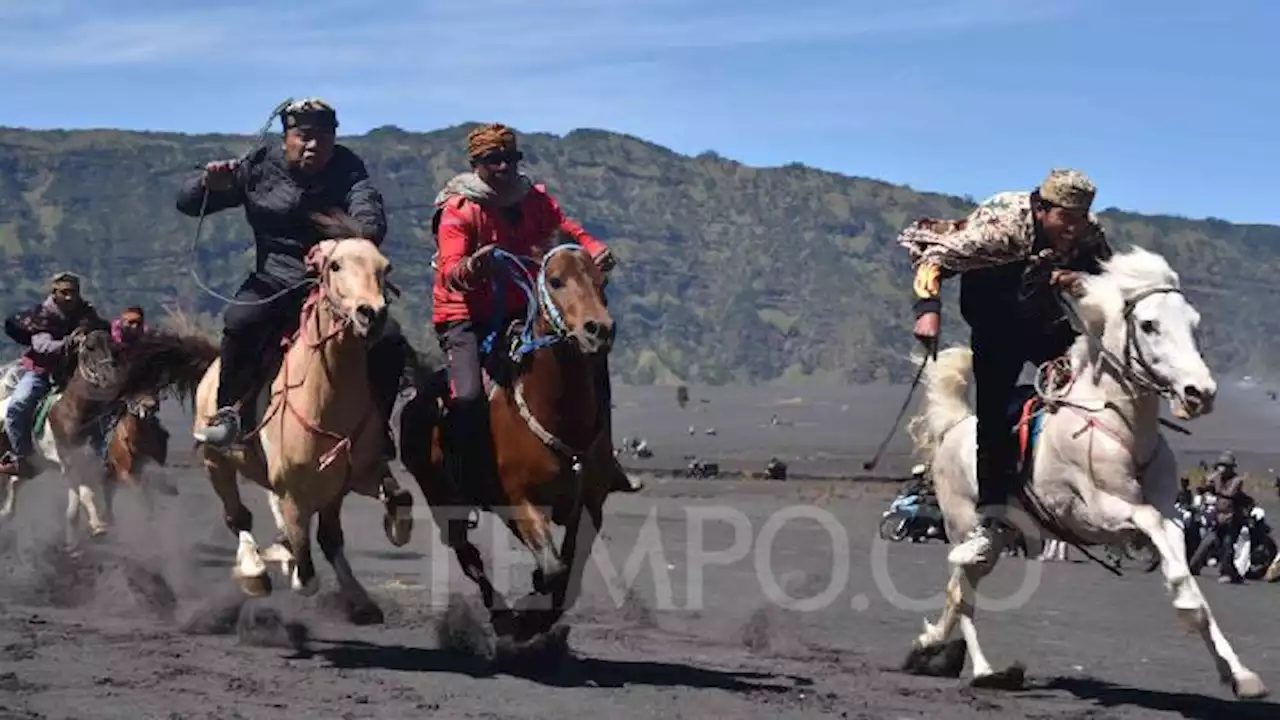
(62, 442)
(137, 439)
(321, 434)
(550, 430)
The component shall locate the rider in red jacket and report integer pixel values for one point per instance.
(494, 206)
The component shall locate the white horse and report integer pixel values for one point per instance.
(1101, 469)
(84, 489)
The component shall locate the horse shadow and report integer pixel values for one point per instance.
(568, 671)
(1188, 705)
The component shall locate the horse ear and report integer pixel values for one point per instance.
(317, 255)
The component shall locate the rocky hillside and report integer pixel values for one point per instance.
(728, 273)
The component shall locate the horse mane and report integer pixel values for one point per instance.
(1138, 269)
(335, 224)
(163, 360)
(1124, 275)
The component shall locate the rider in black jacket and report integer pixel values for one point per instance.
(279, 188)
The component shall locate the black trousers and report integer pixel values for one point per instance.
(1228, 533)
(250, 331)
(998, 358)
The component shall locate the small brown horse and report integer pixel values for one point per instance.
(137, 439)
(550, 431)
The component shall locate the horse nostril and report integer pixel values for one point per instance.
(367, 313)
(1193, 393)
(592, 327)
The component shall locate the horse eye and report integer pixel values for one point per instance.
(555, 282)
(1148, 326)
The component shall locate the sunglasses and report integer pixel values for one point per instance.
(498, 158)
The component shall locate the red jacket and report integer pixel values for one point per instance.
(466, 226)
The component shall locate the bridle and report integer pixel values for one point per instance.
(539, 303)
(1144, 378)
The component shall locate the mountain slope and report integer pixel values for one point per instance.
(728, 273)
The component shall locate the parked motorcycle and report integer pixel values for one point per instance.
(912, 515)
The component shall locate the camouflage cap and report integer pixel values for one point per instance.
(1067, 188)
(310, 111)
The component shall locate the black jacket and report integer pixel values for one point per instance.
(1017, 300)
(278, 206)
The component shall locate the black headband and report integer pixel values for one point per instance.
(316, 118)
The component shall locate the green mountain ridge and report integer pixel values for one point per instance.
(727, 273)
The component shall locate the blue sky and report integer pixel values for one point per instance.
(1171, 106)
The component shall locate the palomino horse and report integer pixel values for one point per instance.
(1102, 472)
(549, 428)
(60, 440)
(321, 434)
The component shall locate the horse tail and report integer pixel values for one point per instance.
(945, 403)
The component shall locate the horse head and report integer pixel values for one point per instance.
(1146, 328)
(97, 359)
(351, 273)
(570, 292)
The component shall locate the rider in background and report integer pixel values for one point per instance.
(1228, 488)
(129, 327)
(920, 483)
(46, 331)
(492, 206)
(279, 187)
(1011, 253)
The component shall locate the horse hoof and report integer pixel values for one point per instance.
(366, 614)
(399, 530)
(308, 588)
(942, 660)
(258, 586)
(1012, 678)
(1248, 686)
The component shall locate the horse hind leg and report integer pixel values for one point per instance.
(361, 609)
(10, 484)
(1188, 601)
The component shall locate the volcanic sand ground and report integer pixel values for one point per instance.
(149, 624)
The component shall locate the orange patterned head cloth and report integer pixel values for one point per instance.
(490, 138)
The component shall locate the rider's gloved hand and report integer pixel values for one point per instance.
(1068, 281)
(469, 269)
(605, 261)
(220, 175)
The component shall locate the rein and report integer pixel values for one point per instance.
(342, 322)
(538, 303)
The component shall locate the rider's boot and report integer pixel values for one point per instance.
(223, 429)
(234, 383)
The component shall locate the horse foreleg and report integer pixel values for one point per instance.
(250, 571)
(361, 609)
(531, 526)
(579, 536)
(1188, 602)
(958, 608)
(297, 528)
